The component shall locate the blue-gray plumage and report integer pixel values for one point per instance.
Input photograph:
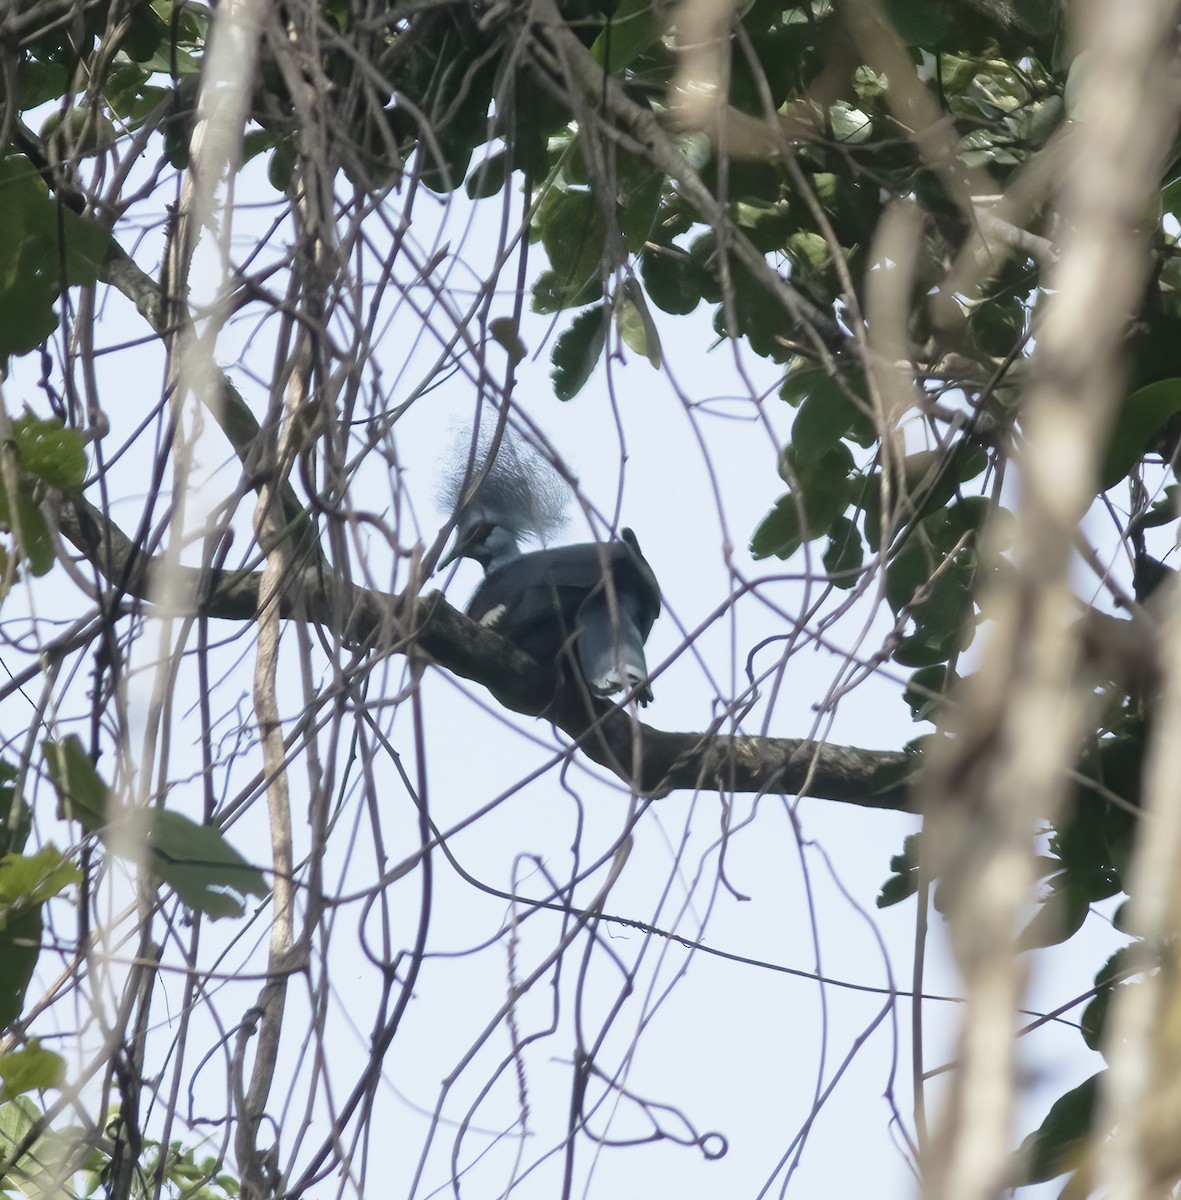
(589, 607)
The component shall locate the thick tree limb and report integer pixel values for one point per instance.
(654, 761)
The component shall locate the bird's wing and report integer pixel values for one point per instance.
(545, 600)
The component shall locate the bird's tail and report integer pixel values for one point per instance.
(611, 648)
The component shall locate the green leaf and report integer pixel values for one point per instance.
(933, 474)
(49, 451)
(1051, 1149)
(919, 22)
(281, 167)
(943, 616)
(82, 795)
(32, 533)
(945, 613)
(753, 316)
(828, 414)
(1154, 348)
(778, 533)
(46, 1168)
(781, 531)
(1163, 512)
(822, 489)
(37, 82)
(1060, 916)
(845, 554)
(1170, 196)
(29, 880)
(27, 294)
(573, 232)
(77, 132)
(896, 889)
(908, 571)
(47, 246)
(1118, 965)
(672, 279)
(924, 650)
(998, 324)
(205, 870)
(1141, 418)
(172, 60)
(15, 815)
(339, 13)
(703, 250)
(84, 246)
(905, 880)
(640, 191)
(634, 322)
(550, 294)
(1109, 979)
(20, 947)
(488, 178)
(868, 497)
(826, 493)
(146, 102)
(124, 85)
(908, 860)
(868, 84)
(630, 31)
(808, 250)
(968, 516)
(799, 469)
(207, 873)
(145, 35)
(925, 690)
(30, 1069)
(26, 883)
(577, 352)
(256, 142)
(849, 125)
(768, 223)
(504, 331)
(17, 1118)
(802, 376)
(1092, 833)
(829, 405)
(1093, 1021)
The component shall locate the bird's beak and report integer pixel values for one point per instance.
(456, 553)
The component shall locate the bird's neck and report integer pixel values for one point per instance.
(499, 548)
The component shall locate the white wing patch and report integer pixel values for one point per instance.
(492, 617)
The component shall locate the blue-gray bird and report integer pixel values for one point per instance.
(587, 608)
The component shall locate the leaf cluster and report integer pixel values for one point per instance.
(643, 217)
(43, 1163)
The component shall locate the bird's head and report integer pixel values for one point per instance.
(517, 495)
(488, 543)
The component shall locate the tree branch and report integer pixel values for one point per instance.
(654, 761)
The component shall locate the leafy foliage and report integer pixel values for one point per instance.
(27, 882)
(1059, 1143)
(48, 248)
(208, 874)
(41, 453)
(30, 1069)
(767, 218)
(59, 1158)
